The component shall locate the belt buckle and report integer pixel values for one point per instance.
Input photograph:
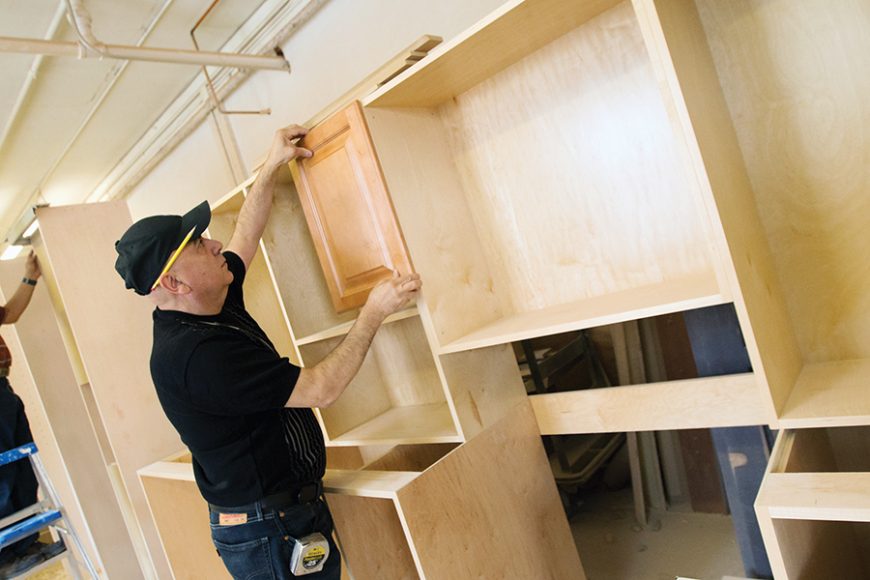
(308, 493)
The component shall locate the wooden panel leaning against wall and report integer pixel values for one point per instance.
(111, 327)
(44, 379)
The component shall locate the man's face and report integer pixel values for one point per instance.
(202, 267)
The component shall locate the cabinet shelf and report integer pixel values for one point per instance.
(655, 300)
(829, 394)
(431, 423)
(818, 496)
(502, 38)
(722, 401)
(380, 484)
(344, 328)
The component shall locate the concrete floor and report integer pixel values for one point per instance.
(56, 572)
(613, 546)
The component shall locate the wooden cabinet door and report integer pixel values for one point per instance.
(348, 209)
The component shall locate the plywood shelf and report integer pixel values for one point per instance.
(115, 352)
(380, 484)
(344, 328)
(724, 401)
(510, 33)
(817, 496)
(431, 423)
(686, 294)
(830, 394)
(182, 471)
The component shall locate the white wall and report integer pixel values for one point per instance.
(196, 170)
(342, 43)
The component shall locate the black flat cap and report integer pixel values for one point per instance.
(146, 246)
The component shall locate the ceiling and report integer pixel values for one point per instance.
(66, 123)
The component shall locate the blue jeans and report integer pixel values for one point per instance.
(261, 547)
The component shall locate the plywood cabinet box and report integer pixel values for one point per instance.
(814, 505)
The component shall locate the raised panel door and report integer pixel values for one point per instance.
(348, 209)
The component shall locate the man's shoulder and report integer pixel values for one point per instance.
(174, 343)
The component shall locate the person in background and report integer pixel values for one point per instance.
(18, 483)
(242, 409)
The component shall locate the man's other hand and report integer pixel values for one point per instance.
(392, 295)
(284, 148)
(31, 268)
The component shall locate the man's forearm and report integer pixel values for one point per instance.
(258, 204)
(321, 385)
(331, 376)
(18, 303)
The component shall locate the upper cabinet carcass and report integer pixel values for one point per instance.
(348, 209)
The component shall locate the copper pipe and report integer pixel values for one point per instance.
(212, 94)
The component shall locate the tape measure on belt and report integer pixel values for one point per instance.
(309, 554)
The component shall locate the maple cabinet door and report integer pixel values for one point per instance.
(348, 209)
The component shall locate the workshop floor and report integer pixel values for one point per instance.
(613, 546)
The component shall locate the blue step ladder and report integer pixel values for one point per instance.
(46, 513)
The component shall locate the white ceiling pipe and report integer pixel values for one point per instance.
(177, 56)
(80, 19)
(115, 75)
(31, 76)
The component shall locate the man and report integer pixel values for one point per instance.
(244, 412)
(18, 483)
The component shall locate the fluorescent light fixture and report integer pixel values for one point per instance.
(31, 229)
(11, 252)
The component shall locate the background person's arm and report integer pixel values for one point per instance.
(19, 301)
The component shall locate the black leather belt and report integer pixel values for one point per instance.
(303, 494)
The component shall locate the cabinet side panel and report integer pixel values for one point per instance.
(432, 209)
(490, 509)
(182, 519)
(681, 55)
(372, 537)
(794, 74)
(485, 385)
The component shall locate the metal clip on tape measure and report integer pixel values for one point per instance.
(309, 554)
